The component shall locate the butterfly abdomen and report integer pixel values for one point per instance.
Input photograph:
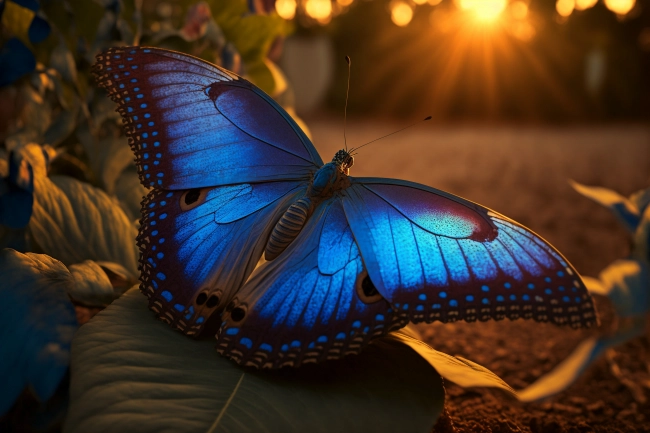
(288, 227)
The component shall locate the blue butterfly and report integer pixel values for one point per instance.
(344, 260)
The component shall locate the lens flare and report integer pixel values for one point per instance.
(585, 4)
(565, 8)
(401, 13)
(319, 9)
(620, 7)
(483, 10)
(286, 8)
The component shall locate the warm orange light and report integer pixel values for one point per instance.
(344, 2)
(523, 30)
(434, 2)
(419, 2)
(564, 8)
(401, 13)
(484, 10)
(286, 8)
(585, 4)
(620, 7)
(519, 10)
(319, 9)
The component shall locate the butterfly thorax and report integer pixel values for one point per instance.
(327, 181)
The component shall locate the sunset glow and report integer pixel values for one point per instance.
(483, 10)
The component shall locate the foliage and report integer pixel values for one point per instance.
(626, 282)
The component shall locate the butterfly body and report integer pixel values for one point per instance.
(234, 178)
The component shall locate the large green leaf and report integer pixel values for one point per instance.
(74, 221)
(132, 373)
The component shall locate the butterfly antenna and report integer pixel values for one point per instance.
(388, 135)
(345, 110)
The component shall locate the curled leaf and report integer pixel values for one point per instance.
(625, 210)
(92, 287)
(459, 370)
(132, 373)
(37, 326)
(627, 284)
(575, 364)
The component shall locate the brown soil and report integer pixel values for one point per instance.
(522, 172)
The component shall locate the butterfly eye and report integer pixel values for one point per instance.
(366, 290)
(192, 198)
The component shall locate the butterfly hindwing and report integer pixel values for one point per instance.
(435, 256)
(307, 305)
(198, 246)
(192, 124)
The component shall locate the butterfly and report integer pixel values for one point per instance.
(342, 260)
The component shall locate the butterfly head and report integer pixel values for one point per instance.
(343, 161)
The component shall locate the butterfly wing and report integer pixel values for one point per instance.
(305, 305)
(194, 257)
(192, 124)
(435, 256)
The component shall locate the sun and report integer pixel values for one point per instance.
(486, 11)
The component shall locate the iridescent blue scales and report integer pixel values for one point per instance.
(353, 259)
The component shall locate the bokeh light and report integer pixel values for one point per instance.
(434, 2)
(320, 10)
(344, 2)
(620, 7)
(519, 9)
(401, 13)
(286, 8)
(419, 2)
(564, 8)
(483, 10)
(585, 4)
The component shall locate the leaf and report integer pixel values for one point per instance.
(626, 211)
(92, 286)
(16, 60)
(16, 19)
(36, 327)
(627, 284)
(16, 193)
(132, 373)
(129, 191)
(575, 364)
(74, 221)
(459, 370)
(62, 60)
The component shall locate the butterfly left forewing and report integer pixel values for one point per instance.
(306, 305)
(192, 124)
(435, 256)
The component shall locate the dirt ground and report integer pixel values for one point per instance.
(522, 172)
